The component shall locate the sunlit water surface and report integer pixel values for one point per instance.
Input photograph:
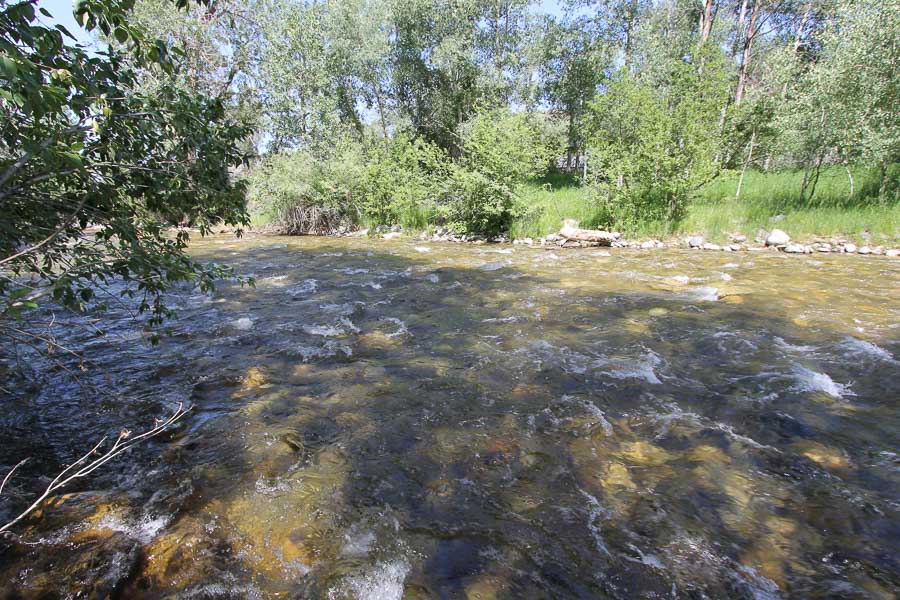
(380, 420)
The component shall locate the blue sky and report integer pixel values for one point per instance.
(62, 14)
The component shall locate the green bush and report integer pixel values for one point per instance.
(651, 147)
(402, 182)
(500, 151)
(307, 191)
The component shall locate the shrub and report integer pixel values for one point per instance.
(309, 191)
(402, 181)
(651, 147)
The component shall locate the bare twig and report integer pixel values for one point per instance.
(123, 442)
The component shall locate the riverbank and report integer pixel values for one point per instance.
(838, 211)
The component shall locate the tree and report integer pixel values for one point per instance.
(84, 147)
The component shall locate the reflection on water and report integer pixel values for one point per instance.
(386, 420)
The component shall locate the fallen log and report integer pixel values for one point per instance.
(571, 231)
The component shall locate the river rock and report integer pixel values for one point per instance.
(850, 248)
(794, 249)
(893, 252)
(695, 241)
(865, 250)
(711, 247)
(823, 247)
(649, 244)
(777, 238)
(736, 247)
(391, 235)
(739, 238)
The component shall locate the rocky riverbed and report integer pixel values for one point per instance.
(412, 419)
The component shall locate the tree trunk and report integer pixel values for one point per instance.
(706, 20)
(745, 55)
(850, 177)
(739, 31)
(737, 195)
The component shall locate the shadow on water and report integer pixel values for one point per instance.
(370, 423)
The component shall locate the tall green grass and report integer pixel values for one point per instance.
(767, 200)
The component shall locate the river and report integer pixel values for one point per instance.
(385, 420)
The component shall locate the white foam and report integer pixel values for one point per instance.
(401, 327)
(323, 330)
(863, 347)
(331, 348)
(307, 286)
(627, 369)
(145, 530)
(705, 293)
(383, 582)
(432, 278)
(596, 513)
(422, 249)
(493, 266)
(813, 381)
(357, 544)
(242, 324)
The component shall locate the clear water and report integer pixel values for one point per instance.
(376, 421)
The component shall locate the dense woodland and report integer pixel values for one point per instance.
(320, 115)
(433, 113)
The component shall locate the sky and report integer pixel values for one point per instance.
(62, 14)
(61, 10)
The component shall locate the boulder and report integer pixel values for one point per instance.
(865, 250)
(850, 248)
(777, 238)
(695, 241)
(794, 249)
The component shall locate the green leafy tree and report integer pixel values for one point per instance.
(92, 170)
(651, 147)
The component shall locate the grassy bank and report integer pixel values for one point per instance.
(767, 200)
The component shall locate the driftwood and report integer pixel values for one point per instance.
(571, 231)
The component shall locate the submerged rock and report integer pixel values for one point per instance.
(777, 238)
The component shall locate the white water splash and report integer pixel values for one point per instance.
(596, 513)
(242, 324)
(323, 330)
(307, 286)
(432, 278)
(813, 381)
(145, 530)
(705, 293)
(859, 346)
(422, 249)
(383, 582)
(401, 327)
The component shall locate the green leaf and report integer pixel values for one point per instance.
(9, 67)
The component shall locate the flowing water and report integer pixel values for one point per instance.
(380, 420)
